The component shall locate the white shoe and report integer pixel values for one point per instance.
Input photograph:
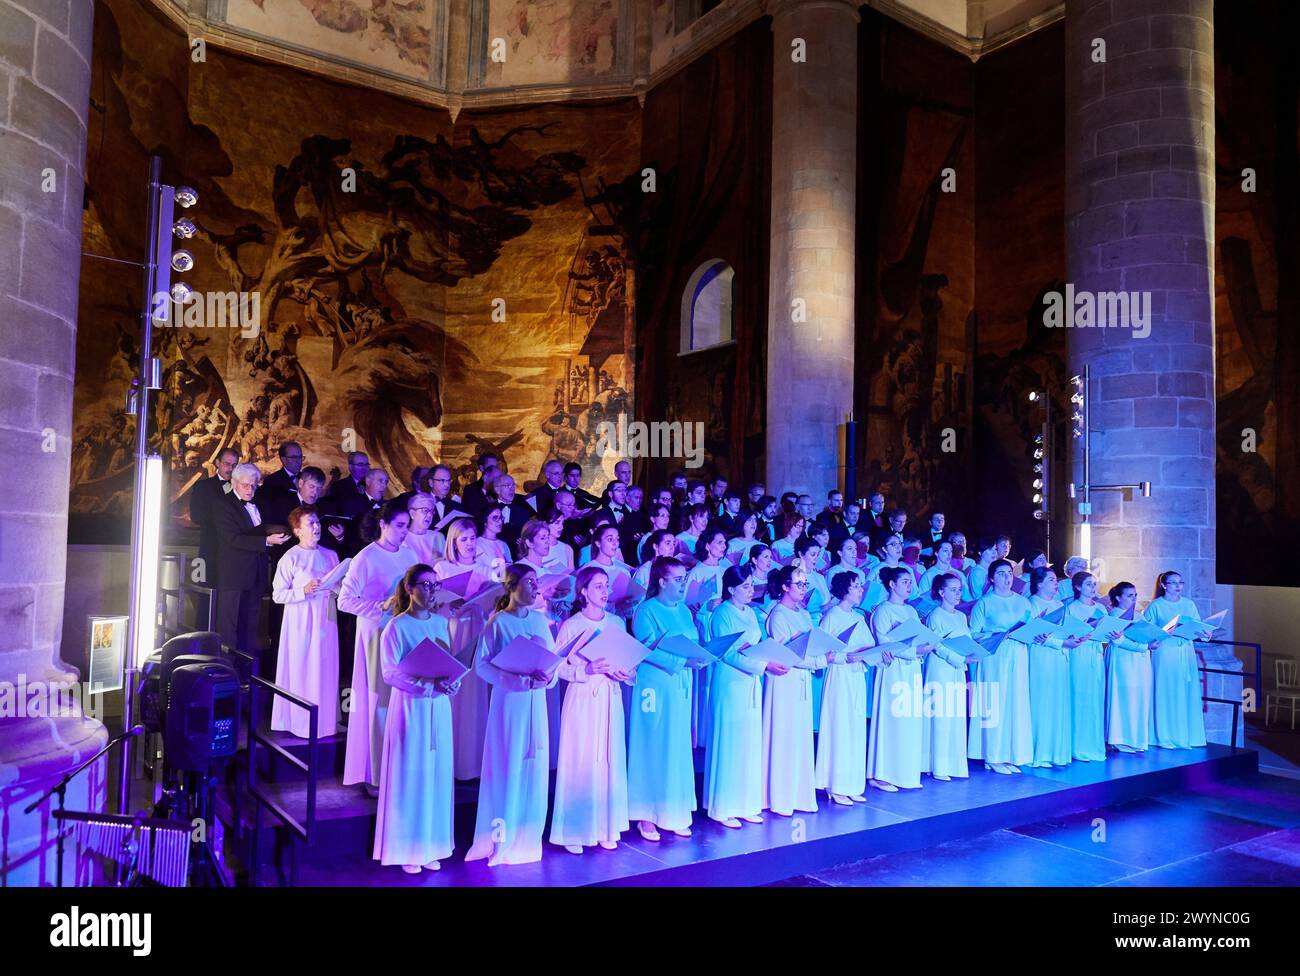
(648, 830)
(858, 798)
(941, 777)
(842, 800)
(731, 822)
(573, 848)
(433, 866)
(752, 819)
(880, 784)
(412, 868)
(609, 845)
(684, 832)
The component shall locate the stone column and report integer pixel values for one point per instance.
(1139, 150)
(810, 322)
(45, 52)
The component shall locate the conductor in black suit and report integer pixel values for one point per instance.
(204, 498)
(284, 481)
(242, 545)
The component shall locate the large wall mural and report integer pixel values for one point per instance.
(406, 38)
(425, 290)
(548, 42)
(1257, 300)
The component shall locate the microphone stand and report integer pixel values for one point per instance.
(61, 788)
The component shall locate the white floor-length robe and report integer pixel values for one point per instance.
(1087, 691)
(841, 763)
(894, 745)
(1177, 713)
(943, 738)
(554, 611)
(1049, 694)
(1001, 727)
(416, 791)
(371, 579)
(660, 764)
(1128, 694)
(591, 772)
(513, 786)
(733, 761)
(789, 783)
(703, 678)
(469, 709)
(307, 663)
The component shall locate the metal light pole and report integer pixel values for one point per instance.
(146, 514)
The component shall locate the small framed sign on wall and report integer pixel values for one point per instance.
(107, 646)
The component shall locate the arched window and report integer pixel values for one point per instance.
(706, 307)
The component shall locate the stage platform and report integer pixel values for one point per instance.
(755, 854)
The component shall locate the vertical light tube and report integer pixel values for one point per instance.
(146, 581)
(1085, 542)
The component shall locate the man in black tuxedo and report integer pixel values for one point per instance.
(833, 514)
(354, 483)
(732, 519)
(515, 512)
(438, 484)
(585, 500)
(356, 507)
(931, 535)
(242, 545)
(204, 498)
(284, 481)
(417, 479)
(874, 517)
(847, 527)
(895, 524)
(542, 497)
(754, 498)
(474, 498)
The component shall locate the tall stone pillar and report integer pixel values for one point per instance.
(45, 50)
(1139, 102)
(810, 319)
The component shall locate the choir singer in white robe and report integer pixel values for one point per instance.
(733, 763)
(591, 773)
(413, 827)
(943, 745)
(660, 765)
(894, 748)
(512, 790)
(366, 591)
(308, 659)
(841, 766)
(788, 758)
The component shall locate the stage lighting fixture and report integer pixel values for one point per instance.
(187, 197)
(1040, 514)
(182, 260)
(1038, 454)
(184, 228)
(181, 293)
(1038, 499)
(1033, 396)
(1038, 469)
(1038, 482)
(1146, 488)
(1085, 542)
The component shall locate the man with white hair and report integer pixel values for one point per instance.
(514, 510)
(242, 545)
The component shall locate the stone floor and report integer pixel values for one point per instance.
(1243, 831)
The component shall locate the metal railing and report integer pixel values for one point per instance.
(301, 831)
(177, 593)
(1237, 702)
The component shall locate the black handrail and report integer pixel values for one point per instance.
(1236, 704)
(304, 830)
